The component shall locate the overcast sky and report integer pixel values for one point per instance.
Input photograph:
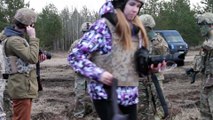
(60, 4)
(93, 5)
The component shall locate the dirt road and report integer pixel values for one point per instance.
(56, 100)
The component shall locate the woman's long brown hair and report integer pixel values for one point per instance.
(124, 31)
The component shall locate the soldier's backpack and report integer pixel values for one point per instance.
(2, 64)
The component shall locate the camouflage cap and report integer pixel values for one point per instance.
(121, 3)
(147, 20)
(85, 26)
(205, 21)
(206, 18)
(25, 16)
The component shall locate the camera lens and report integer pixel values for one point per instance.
(48, 55)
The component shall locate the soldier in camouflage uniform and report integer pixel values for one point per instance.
(2, 88)
(83, 105)
(158, 46)
(84, 28)
(204, 63)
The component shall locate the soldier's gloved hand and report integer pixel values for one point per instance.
(31, 32)
(203, 49)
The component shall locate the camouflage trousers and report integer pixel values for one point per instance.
(149, 107)
(83, 103)
(5, 102)
(206, 100)
(2, 89)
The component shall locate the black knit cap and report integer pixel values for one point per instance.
(117, 4)
(121, 3)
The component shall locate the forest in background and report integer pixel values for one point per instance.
(58, 29)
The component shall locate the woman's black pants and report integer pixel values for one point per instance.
(105, 110)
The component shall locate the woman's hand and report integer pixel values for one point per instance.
(42, 57)
(106, 78)
(159, 67)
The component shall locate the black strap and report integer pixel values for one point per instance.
(114, 96)
(117, 114)
(111, 17)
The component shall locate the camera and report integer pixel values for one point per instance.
(49, 56)
(143, 60)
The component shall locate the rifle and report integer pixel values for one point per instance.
(190, 72)
(40, 88)
(142, 62)
(48, 55)
(198, 64)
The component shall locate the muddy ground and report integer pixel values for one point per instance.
(56, 100)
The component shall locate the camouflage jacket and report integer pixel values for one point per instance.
(159, 45)
(204, 60)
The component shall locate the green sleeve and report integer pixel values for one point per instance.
(27, 53)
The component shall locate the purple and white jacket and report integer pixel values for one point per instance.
(98, 39)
